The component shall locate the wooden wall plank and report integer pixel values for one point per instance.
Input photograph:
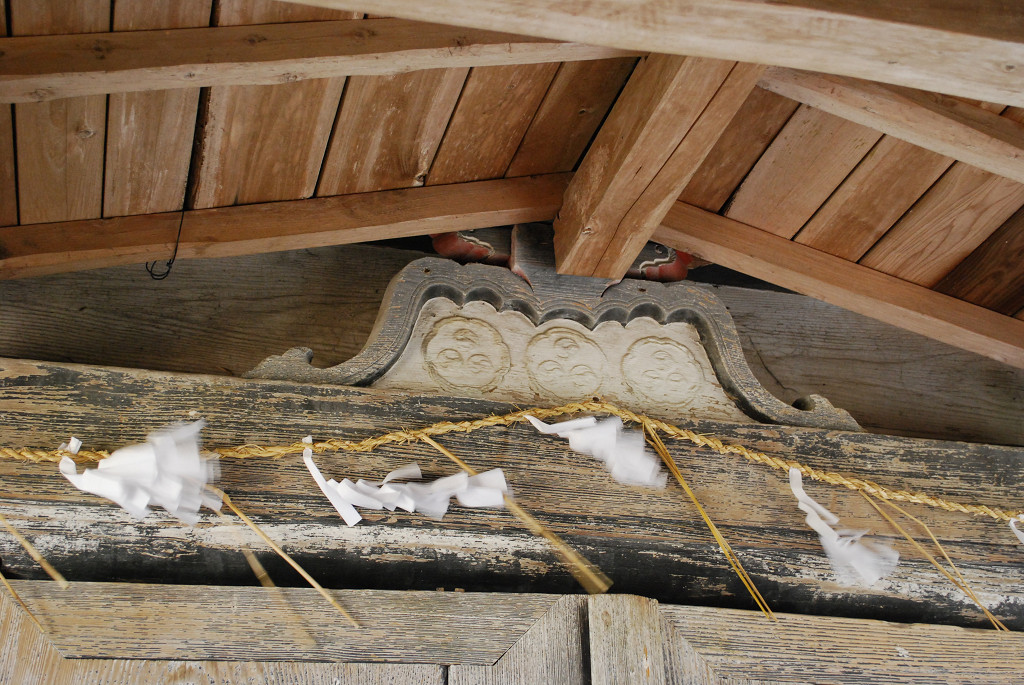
(993, 275)
(8, 179)
(493, 115)
(576, 103)
(626, 642)
(39, 68)
(265, 143)
(661, 103)
(61, 142)
(742, 143)
(550, 652)
(803, 166)
(954, 217)
(276, 226)
(866, 291)
(388, 130)
(712, 646)
(942, 124)
(149, 135)
(887, 183)
(975, 53)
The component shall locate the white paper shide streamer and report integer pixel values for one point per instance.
(851, 556)
(622, 452)
(167, 470)
(1016, 531)
(485, 489)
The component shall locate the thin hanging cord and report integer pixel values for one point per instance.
(151, 266)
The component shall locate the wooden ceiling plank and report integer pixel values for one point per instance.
(388, 130)
(993, 275)
(804, 165)
(883, 187)
(939, 123)
(650, 208)
(931, 49)
(845, 284)
(575, 105)
(950, 221)
(277, 226)
(745, 139)
(663, 98)
(60, 143)
(8, 180)
(264, 143)
(493, 114)
(50, 67)
(149, 134)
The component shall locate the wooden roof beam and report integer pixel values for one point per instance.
(43, 249)
(665, 122)
(38, 68)
(843, 283)
(973, 50)
(935, 122)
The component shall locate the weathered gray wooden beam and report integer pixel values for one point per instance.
(648, 542)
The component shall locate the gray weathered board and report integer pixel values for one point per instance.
(540, 337)
(648, 541)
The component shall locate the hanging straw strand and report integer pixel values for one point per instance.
(34, 553)
(587, 574)
(24, 606)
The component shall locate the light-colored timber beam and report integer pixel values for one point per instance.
(665, 122)
(846, 284)
(935, 122)
(35, 68)
(42, 249)
(973, 50)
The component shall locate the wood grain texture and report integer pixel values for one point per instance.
(60, 143)
(658, 107)
(388, 130)
(709, 646)
(550, 652)
(887, 183)
(938, 49)
(942, 124)
(803, 166)
(890, 380)
(8, 178)
(115, 620)
(276, 226)
(744, 140)
(646, 541)
(650, 208)
(576, 103)
(149, 135)
(993, 275)
(29, 658)
(950, 221)
(625, 640)
(264, 143)
(837, 281)
(51, 67)
(493, 114)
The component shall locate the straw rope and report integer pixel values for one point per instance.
(250, 451)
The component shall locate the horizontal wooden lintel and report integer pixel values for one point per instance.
(43, 249)
(37, 68)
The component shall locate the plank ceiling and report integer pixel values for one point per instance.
(789, 169)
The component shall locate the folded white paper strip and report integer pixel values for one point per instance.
(487, 489)
(622, 451)
(849, 555)
(166, 471)
(1013, 527)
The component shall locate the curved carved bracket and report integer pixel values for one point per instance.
(549, 296)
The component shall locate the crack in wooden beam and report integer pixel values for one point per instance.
(843, 283)
(44, 249)
(38, 68)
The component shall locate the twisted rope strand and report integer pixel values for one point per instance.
(250, 451)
